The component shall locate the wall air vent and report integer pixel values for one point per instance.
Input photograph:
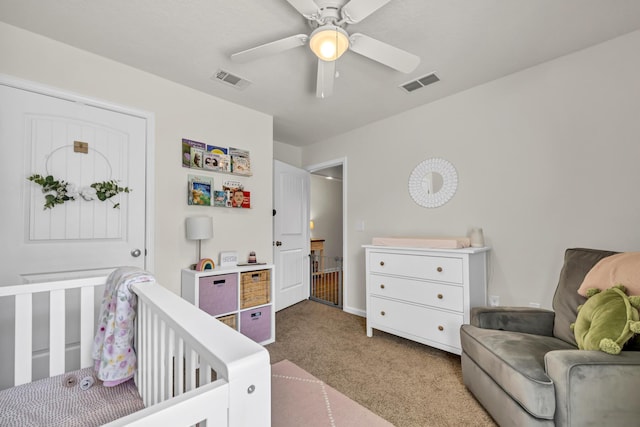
(230, 79)
(420, 82)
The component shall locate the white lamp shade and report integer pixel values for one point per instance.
(329, 42)
(199, 227)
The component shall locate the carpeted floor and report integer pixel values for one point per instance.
(406, 383)
(300, 399)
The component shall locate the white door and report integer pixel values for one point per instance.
(77, 238)
(291, 234)
(37, 136)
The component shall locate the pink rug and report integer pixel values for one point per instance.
(300, 399)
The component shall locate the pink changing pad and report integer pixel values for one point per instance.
(423, 242)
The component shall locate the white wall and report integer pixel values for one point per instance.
(287, 153)
(180, 112)
(547, 159)
(326, 213)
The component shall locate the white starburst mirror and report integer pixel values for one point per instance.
(433, 182)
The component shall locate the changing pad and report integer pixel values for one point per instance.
(423, 242)
(60, 401)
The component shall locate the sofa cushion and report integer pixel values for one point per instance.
(515, 361)
(577, 263)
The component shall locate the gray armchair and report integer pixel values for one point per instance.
(523, 365)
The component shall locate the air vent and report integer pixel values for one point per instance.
(230, 79)
(420, 82)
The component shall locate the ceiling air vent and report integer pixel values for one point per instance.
(230, 79)
(420, 82)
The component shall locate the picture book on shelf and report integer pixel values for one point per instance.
(237, 197)
(220, 199)
(187, 144)
(200, 190)
(240, 161)
(196, 157)
(211, 161)
(222, 156)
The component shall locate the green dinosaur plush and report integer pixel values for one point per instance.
(607, 320)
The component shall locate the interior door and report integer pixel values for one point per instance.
(291, 234)
(78, 237)
(38, 135)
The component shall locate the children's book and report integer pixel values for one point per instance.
(196, 157)
(224, 161)
(219, 198)
(200, 190)
(240, 161)
(237, 197)
(246, 200)
(211, 161)
(187, 144)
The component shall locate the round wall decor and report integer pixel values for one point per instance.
(433, 182)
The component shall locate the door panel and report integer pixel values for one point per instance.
(78, 238)
(291, 234)
(37, 134)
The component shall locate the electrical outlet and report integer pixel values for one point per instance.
(494, 300)
(534, 305)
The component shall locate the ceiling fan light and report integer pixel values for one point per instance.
(329, 42)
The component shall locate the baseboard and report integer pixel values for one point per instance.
(356, 311)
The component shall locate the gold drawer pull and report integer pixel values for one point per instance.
(382, 263)
(440, 328)
(439, 296)
(381, 286)
(382, 313)
(439, 269)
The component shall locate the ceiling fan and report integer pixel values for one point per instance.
(329, 39)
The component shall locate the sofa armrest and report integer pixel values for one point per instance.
(594, 388)
(535, 321)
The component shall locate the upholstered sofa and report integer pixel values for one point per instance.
(524, 367)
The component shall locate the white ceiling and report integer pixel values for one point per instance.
(466, 42)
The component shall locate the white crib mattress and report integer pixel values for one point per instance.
(423, 242)
(56, 401)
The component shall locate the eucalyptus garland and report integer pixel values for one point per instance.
(58, 191)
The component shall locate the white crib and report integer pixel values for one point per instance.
(175, 342)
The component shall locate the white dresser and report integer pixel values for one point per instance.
(424, 295)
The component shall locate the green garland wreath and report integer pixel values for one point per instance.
(58, 191)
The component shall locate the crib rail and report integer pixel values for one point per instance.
(24, 295)
(177, 346)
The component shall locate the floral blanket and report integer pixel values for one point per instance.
(113, 352)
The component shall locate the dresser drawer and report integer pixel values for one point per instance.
(448, 297)
(422, 322)
(218, 294)
(439, 268)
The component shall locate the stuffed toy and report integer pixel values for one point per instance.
(607, 320)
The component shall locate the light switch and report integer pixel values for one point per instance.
(360, 225)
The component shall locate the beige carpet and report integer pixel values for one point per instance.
(300, 399)
(406, 383)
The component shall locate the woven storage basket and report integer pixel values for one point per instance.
(230, 320)
(255, 288)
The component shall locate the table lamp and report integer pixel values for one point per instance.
(199, 228)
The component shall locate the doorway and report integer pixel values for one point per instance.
(327, 213)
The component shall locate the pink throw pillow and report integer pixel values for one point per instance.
(622, 268)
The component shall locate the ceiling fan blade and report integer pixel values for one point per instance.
(270, 48)
(326, 77)
(383, 53)
(356, 10)
(307, 8)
